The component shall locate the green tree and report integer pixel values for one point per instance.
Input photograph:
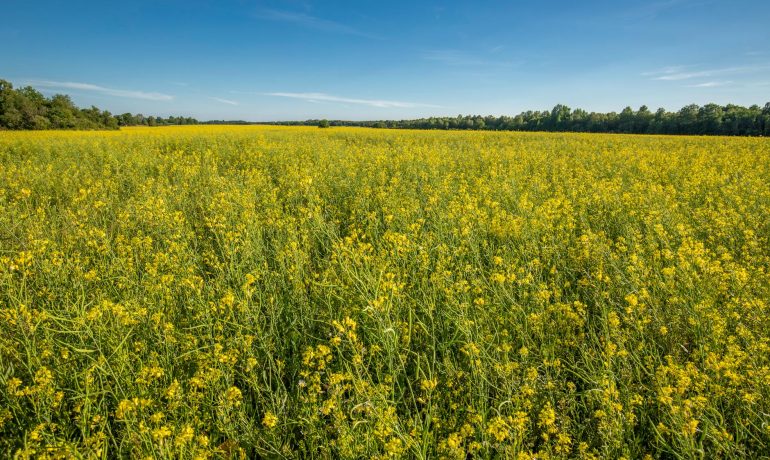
(766, 120)
(710, 119)
(560, 116)
(62, 112)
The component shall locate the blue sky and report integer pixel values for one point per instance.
(286, 60)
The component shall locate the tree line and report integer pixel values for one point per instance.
(710, 119)
(28, 108)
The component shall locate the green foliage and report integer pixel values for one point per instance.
(711, 119)
(27, 108)
(323, 123)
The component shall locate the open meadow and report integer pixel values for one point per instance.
(221, 291)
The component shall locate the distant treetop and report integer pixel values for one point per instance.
(27, 108)
(710, 119)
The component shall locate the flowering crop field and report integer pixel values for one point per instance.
(218, 292)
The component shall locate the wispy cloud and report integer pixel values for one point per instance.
(666, 70)
(699, 74)
(323, 97)
(711, 84)
(223, 101)
(679, 73)
(101, 90)
(311, 22)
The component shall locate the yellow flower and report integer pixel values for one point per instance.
(498, 429)
(12, 386)
(184, 436)
(234, 396)
(454, 441)
(161, 433)
(547, 418)
(269, 420)
(428, 384)
(690, 428)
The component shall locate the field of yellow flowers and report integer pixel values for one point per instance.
(218, 292)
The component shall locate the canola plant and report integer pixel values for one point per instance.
(275, 292)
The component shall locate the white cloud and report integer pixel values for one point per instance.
(323, 97)
(102, 90)
(679, 73)
(224, 101)
(688, 75)
(710, 84)
(667, 70)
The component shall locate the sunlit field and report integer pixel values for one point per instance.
(218, 292)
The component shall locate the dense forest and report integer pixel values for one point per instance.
(711, 119)
(27, 108)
